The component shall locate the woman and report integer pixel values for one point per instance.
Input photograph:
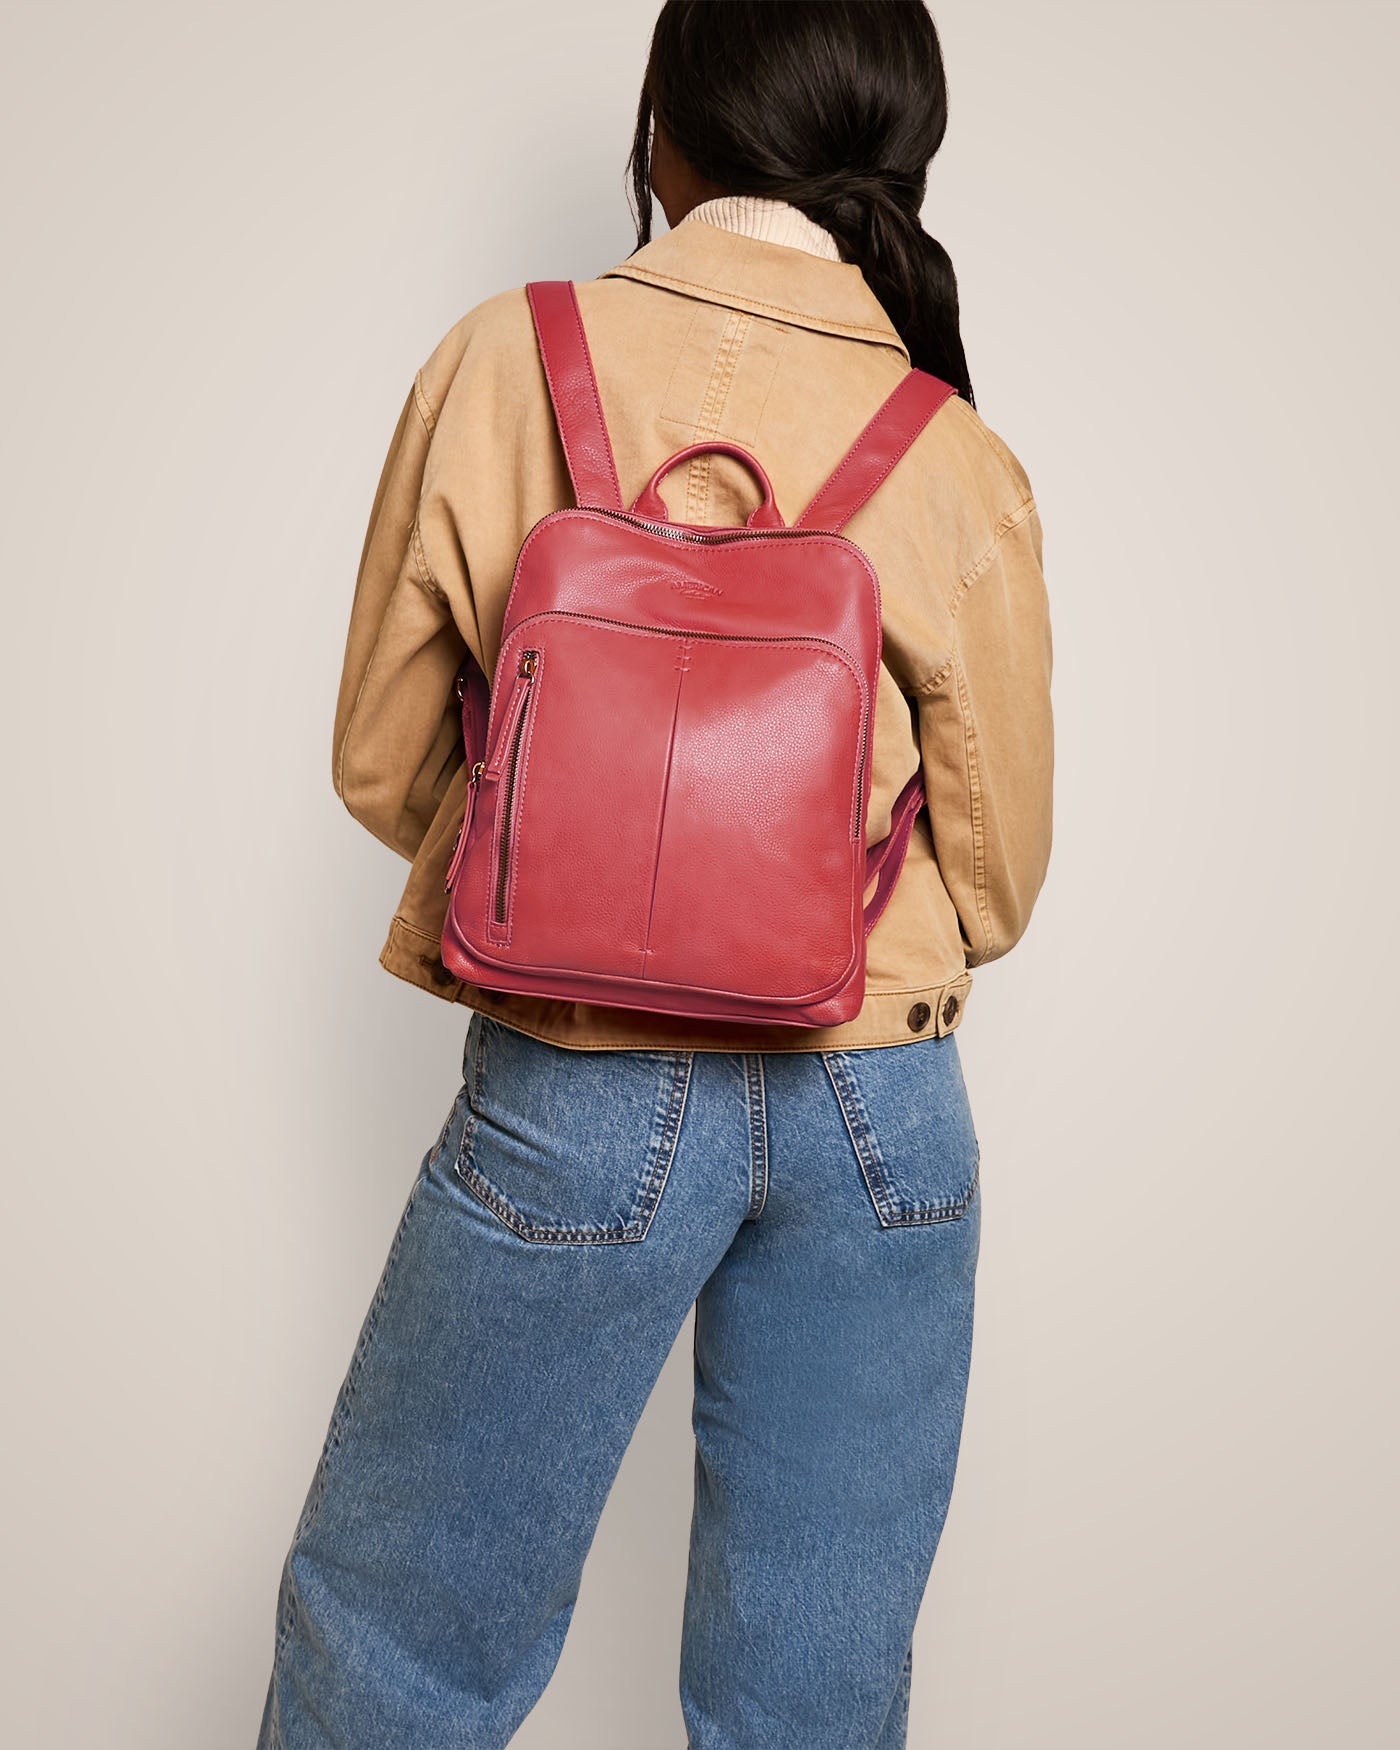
(813, 1193)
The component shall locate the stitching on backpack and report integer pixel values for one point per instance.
(857, 450)
(607, 454)
(816, 537)
(682, 668)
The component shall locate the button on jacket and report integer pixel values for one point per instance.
(715, 331)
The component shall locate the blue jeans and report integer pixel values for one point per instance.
(821, 1210)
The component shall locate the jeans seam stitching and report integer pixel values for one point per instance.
(756, 1097)
(645, 1200)
(889, 1210)
(858, 1129)
(950, 1209)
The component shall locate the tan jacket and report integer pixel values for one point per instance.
(708, 332)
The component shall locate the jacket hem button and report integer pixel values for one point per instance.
(919, 1017)
(950, 1010)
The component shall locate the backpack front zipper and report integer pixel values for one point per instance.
(511, 737)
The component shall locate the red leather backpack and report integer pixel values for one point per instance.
(670, 774)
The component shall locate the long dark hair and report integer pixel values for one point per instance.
(836, 106)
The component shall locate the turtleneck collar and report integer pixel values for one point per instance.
(771, 220)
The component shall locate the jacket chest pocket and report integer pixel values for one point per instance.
(906, 1110)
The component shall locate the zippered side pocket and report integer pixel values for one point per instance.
(504, 770)
(459, 844)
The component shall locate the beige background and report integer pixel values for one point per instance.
(233, 233)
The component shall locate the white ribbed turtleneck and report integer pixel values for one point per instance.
(774, 221)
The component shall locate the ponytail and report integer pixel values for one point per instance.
(836, 106)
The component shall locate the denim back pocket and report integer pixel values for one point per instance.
(907, 1113)
(568, 1146)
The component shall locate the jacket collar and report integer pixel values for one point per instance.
(721, 266)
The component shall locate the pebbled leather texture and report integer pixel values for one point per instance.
(670, 784)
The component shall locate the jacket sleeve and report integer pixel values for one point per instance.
(397, 740)
(986, 735)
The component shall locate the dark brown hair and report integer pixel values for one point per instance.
(836, 106)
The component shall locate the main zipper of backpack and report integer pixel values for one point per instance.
(719, 538)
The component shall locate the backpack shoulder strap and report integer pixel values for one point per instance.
(904, 414)
(573, 392)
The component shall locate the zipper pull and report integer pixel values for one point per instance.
(515, 704)
(459, 844)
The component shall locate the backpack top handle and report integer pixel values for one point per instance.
(649, 502)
